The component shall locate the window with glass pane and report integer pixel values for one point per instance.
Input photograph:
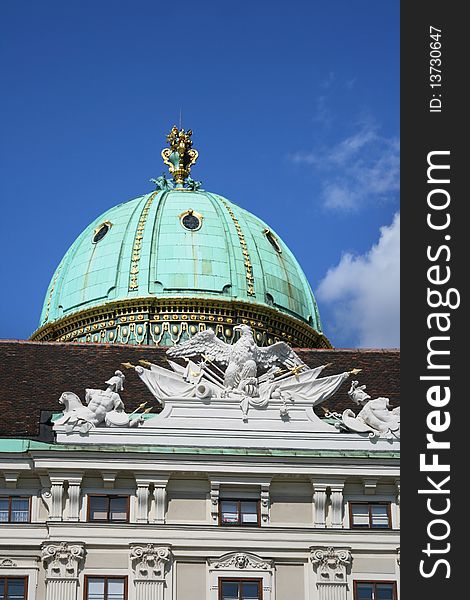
(105, 588)
(4, 510)
(118, 508)
(370, 516)
(250, 590)
(365, 591)
(229, 512)
(14, 510)
(13, 588)
(239, 589)
(249, 513)
(379, 516)
(108, 508)
(239, 512)
(374, 590)
(360, 515)
(19, 510)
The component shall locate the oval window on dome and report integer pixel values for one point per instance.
(101, 231)
(272, 239)
(191, 220)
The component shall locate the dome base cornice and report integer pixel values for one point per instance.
(167, 321)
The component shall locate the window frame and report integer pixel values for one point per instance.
(242, 580)
(370, 504)
(108, 497)
(374, 582)
(24, 577)
(10, 498)
(239, 501)
(106, 578)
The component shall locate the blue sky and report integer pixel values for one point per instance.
(295, 112)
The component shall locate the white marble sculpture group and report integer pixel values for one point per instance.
(258, 380)
(102, 407)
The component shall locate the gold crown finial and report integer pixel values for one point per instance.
(180, 156)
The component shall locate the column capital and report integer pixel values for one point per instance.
(62, 560)
(150, 561)
(331, 564)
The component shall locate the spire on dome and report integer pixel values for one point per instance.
(180, 156)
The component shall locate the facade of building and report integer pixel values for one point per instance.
(229, 467)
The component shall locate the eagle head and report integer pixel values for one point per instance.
(244, 330)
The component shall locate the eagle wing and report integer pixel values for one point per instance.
(204, 343)
(277, 354)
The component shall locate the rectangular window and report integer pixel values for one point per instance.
(370, 516)
(375, 590)
(239, 512)
(105, 588)
(13, 588)
(240, 589)
(108, 509)
(14, 509)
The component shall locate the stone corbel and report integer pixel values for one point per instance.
(45, 491)
(265, 503)
(214, 496)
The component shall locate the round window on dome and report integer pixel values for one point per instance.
(101, 231)
(272, 239)
(191, 220)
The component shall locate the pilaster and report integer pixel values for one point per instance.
(57, 498)
(150, 565)
(331, 565)
(159, 494)
(62, 563)
(319, 503)
(397, 487)
(142, 494)
(336, 500)
(74, 493)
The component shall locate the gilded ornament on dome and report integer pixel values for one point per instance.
(180, 156)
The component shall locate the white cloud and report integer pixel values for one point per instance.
(361, 168)
(363, 293)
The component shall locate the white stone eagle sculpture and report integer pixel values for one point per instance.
(242, 358)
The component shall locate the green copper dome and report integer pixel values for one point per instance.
(170, 263)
